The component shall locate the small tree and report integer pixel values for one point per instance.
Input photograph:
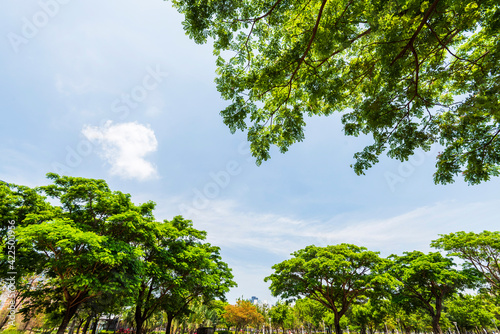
(81, 246)
(243, 314)
(310, 312)
(281, 315)
(481, 250)
(470, 312)
(426, 281)
(177, 268)
(334, 276)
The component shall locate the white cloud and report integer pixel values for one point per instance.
(230, 226)
(124, 146)
(253, 241)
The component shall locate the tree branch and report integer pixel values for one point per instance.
(414, 36)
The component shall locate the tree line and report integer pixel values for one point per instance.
(82, 250)
(465, 313)
(74, 250)
(357, 286)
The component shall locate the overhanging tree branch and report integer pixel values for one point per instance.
(415, 34)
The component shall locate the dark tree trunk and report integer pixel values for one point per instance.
(79, 326)
(336, 324)
(96, 322)
(168, 327)
(436, 315)
(72, 326)
(87, 324)
(26, 324)
(4, 320)
(139, 323)
(70, 312)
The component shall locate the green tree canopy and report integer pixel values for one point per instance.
(410, 73)
(427, 281)
(470, 311)
(16, 202)
(281, 315)
(482, 250)
(177, 268)
(89, 244)
(335, 276)
(310, 312)
(81, 247)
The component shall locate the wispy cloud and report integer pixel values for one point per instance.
(230, 226)
(247, 236)
(124, 147)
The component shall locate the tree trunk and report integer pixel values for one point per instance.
(79, 326)
(70, 312)
(436, 328)
(139, 323)
(87, 324)
(26, 324)
(168, 326)
(72, 326)
(96, 322)
(4, 320)
(336, 323)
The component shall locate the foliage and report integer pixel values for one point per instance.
(281, 315)
(16, 202)
(91, 250)
(177, 268)
(310, 311)
(410, 73)
(470, 311)
(334, 276)
(482, 250)
(218, 306)
(243, 314)
(12, 331)
(426, 281)
(80, 248)
(371, 315)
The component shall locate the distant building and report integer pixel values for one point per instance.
(254, 300)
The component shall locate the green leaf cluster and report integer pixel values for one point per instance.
(409, 73)
(89, 249)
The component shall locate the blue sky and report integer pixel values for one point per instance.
(116, 90)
